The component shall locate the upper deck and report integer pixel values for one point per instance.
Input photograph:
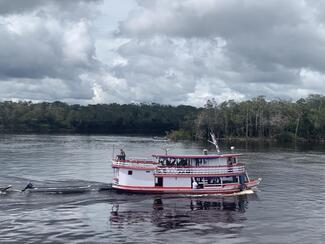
(192, 163)
(197, 156)
(173, 160)
(135, 163)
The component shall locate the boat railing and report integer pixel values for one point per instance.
(134, 163)
(206, 170)
(141, 160)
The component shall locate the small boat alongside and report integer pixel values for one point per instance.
(4, 189)
(57, 190)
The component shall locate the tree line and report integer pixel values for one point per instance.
(281, 120)
(259, 118)
(58, 117)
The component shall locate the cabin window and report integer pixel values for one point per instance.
(208, 180)
(130, 172)
(229, 179)
(182, 162)
(231, 160)
(213, 180)
(148, 171)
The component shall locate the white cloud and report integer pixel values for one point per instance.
(78, 47)
(43, 55)
(262, 47)
(164, 51)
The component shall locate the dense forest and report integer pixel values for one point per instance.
(58, 117)
(281, 120)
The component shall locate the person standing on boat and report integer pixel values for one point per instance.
(122, 154)
(194, 184)
(230, 164)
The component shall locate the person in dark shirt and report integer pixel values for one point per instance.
(122, 155)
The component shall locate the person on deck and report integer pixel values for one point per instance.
(122, 155)
(230, 164)
(194, 185)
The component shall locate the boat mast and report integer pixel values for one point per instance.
(214, 141)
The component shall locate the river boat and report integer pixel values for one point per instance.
(183, 174)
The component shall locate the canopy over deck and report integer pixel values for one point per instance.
(199, 156)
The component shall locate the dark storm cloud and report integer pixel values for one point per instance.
(19, 6)
(209, 18)
(44, 50)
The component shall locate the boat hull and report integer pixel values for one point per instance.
(60, 190)
(227, 189)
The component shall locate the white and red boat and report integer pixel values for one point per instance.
(183, 174)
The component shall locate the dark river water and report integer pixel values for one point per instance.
(288, 207)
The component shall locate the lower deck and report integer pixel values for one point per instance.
(226, 189)
(137, 180)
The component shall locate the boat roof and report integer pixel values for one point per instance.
(209, 156)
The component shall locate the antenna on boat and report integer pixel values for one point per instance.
(214, 141)
(166, 150)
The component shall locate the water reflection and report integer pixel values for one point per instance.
(200, 214)
(229, 203)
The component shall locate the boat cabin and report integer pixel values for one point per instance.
(196, 160)
(218, 173)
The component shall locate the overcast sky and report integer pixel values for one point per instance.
(163, 51)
